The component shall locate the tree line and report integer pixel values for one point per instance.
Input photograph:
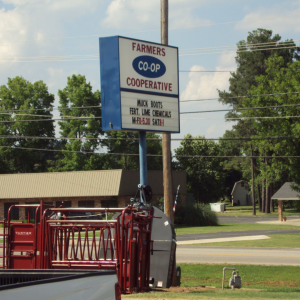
(272, 73)
(24, 106)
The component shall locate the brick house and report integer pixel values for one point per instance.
(104, 188)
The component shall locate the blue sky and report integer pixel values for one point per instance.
(35, 28)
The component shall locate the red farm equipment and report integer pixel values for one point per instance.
(122, 244)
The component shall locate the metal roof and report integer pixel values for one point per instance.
(235, 185)
(82, 184)
(60, 184)
(286, 193)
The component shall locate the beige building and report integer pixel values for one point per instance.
(105, 188)
(240, 194)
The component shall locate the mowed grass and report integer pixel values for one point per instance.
(253, 276)
(227, 227)
(258, 282)
(216, 294)
(244, 211)
(275, 241)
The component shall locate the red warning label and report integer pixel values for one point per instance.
(23, 233)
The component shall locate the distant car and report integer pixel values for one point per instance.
(76, 215)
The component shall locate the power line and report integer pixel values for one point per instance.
(242, 46)
(93, 57)
(151, 139)
(237, 51)
(248, 108)
(237, 97)
(182, 101)
(52, 108)
(48, 116)
(52, 120)
(149, 155)
(241, 118)
(241, 21)
(86, 118)
(154, 30)
(233, 156)
(206, 71)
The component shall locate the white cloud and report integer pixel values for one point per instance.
(227, 60)
(55, 4)
(269, 18)
(17, 26)
(132, 14)
(204, 85)
(211, 128)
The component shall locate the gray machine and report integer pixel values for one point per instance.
(164, 250)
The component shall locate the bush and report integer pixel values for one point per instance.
(195, 215)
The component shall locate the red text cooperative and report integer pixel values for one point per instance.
(149, 84)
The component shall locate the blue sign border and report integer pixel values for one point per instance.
(110, 85)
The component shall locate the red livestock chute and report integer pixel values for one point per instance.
(122, 244)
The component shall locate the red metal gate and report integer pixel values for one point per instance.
(122, 244)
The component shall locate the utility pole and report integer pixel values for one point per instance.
(166, 137)
(252, 172)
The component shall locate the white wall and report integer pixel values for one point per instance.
(240, 194)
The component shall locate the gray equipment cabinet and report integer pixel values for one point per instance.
(164, 250)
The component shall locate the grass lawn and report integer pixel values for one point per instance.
(243, 211)
(275, 241)
(227, 227)
(258, 282)
(224, 227)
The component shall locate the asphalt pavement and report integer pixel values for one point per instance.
(249, 219)
(238, 255)
(188, 237)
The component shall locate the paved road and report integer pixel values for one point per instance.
(252, 256)
(230, 219)
(188, 237)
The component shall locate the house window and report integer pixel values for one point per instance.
(66, 203)
(242, 184)
(109, 203)
(86, 204)
(14, 213)
(32, 210)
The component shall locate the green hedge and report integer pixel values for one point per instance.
(195, 215)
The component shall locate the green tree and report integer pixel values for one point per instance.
(250, 64)
(205, 177)
(77, 100)
(279, 79)
(22, 100)
(127, 143)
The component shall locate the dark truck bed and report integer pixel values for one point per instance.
(57, 284)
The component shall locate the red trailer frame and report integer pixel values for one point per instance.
(123, 244)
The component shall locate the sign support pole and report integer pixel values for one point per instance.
(143, 159)
(166, 137)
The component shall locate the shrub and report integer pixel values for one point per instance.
(195, 215)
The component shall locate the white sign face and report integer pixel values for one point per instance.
(148, 112)
(149, 86)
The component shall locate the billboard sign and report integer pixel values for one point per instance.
(139, 85)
